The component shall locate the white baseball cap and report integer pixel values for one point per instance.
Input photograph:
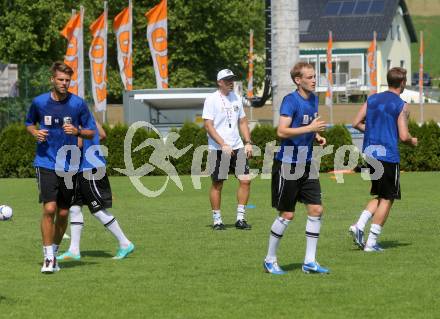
(225, 74)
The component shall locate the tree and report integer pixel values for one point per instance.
(203, 37)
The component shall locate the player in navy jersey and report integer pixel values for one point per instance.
(384, 120)
(292, 180)
(93, 189)
(54, 119)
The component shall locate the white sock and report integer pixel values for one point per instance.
(48, 252)
(313, 227)
(217, 217)
(241, 212)
(76, 226)
(112, 225)
(363, 220)
(375, 231)
(276, 233)
(55, 249)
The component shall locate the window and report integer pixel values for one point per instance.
(304, 26)
(362, 7)
(377, 6)
(332, 8)
(388, 65)
(392, 32)
(323, 67)
(354, 7)
(398, 32)
(402, 63)
(347, 8)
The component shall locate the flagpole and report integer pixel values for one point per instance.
(375, 88)
(331, 77)
(104, 113)
(81, 55)
(130, 10)
(421, 78)
(329, 69)
(251, 70)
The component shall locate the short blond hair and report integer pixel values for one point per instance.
(297, 69)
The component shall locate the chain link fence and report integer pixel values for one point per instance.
(17, 91)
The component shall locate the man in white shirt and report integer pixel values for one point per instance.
(224, 119)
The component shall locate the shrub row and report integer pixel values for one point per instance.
(17, 148)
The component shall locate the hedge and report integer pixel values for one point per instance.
(17, 148)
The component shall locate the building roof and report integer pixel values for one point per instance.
(350, 20)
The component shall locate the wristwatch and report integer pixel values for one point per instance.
(248, 142)
(79, 132)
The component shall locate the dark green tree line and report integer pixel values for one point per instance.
(203, 37)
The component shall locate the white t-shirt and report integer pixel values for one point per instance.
(225, 111)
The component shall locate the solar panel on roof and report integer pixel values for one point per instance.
(347, 8)
(377, 6)
(332, 8)
(362, 7)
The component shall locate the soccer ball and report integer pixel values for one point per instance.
(5, 212)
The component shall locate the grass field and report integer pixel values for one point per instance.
(183, 269)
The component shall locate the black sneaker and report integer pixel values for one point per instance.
(218, 227)
(242, 224)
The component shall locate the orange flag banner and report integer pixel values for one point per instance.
(98, 61)
(372, 66)
(122, 26)
(73, 32)
(157, 34)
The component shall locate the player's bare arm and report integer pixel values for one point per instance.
(285, 131)
(245, 133)
(40, 135)
(320, 139)
(209, 127)
(402, 125)
(359, 120)
(69, 129)
(101, 132)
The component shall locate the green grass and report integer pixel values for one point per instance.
(182, 269)
(431, 33)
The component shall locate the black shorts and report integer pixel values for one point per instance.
(287, 191)
(52, 188)
(95, 193)
(238, 164)
(388, 185)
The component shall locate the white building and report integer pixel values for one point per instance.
(353, 23)
(8, 80)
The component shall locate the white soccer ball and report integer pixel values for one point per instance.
(5, 212)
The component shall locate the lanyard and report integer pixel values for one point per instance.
(228, 111)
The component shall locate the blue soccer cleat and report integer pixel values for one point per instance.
(273, 268)
(373, 248)
(124, 252)
(314, 268)
(358, 236)
(69, 256)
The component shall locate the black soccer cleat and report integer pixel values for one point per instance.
(242, 224)
(218, 227)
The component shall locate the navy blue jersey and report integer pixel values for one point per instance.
(302, 112)
(92, 155)
(50, 115)
(383, 110)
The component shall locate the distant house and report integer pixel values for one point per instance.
(8, 80)
(352, 23)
